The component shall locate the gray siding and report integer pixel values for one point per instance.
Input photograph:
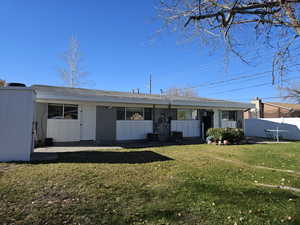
(41, 115)
(105, 124)
(240, 119)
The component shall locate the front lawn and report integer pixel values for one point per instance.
(187, 184)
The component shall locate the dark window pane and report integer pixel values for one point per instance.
(229, 115)
(121, 113)
(173, 114)
(148, 113)
(55, 111)
(232, 115)
(134, 114)
(71, 112)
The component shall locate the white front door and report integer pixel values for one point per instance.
(87, 122)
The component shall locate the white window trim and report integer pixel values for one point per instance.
(63, 111)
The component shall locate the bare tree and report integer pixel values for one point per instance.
(2, 83)
(293, 93)
(73, 74)
(240, 26)
(184, 92)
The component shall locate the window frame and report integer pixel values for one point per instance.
(190, 111)
(63, 111)
(228, 114)
(143, 113)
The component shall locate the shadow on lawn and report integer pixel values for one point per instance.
(98, 157)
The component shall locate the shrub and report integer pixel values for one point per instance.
(233, 135)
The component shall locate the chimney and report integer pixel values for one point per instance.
(259, 109)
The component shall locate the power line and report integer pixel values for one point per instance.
(252, 86)
(222, 82)
(207, 66)
(270, 97)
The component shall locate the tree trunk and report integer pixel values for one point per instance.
(290, 13)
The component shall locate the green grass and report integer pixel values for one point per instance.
(203, 184)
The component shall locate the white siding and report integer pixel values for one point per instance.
(228, 124)
(63, 130)
(216, 118)
(256, 127)
(189, 128)
(133, 129)
(16, 119)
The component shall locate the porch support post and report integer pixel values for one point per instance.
(217, 118)
(169, 119)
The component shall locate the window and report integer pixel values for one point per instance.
(148, 113)
(187, 114)
(134, 114)
(61, 111)
(71, 112)
(55, 111)
(121, 113)
(229, 115)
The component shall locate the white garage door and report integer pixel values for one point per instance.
(189, 128)
(133, 129)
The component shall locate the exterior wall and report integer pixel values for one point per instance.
(133, 129)
(270, 110)
(217, 118)
(274, 112)
(105, 124)
(239, 123)
(189, 128)
(41, 116)
(63, 130)
(108, 129)
(228, 124)
(240, 119)
(16, 119)
(256, 127)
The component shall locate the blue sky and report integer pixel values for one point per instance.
(120, 49)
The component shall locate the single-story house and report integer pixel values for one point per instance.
(75, 114)
(272, 110)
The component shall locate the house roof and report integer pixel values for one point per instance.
(55, 93)
(285, 105)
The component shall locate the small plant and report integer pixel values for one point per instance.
(229, 135)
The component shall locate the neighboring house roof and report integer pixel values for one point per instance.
(54, 93)
(288, 106)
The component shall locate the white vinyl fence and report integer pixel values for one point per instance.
(258, 127)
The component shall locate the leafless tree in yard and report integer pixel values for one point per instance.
(184, 92)
(293, 93)
(240, 27)
(73, 74)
